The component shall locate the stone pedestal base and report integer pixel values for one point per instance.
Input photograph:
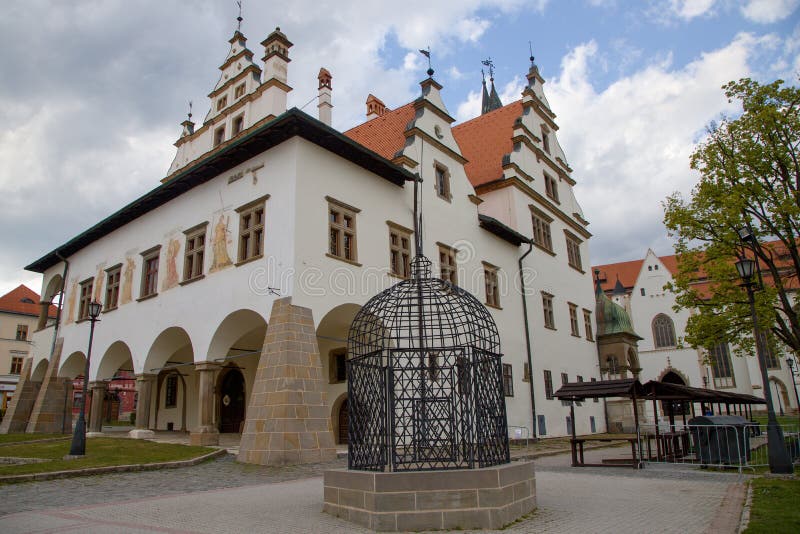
(204, 437)
(487, 498)
(141, 433)
(94, 434)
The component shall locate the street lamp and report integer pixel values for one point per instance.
(794, 371)
(78, 447)
(779, 461)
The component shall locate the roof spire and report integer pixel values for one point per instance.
(491, 100)
(427, 54)
(239, 19)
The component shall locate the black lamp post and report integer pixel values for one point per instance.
(794, 371)
(779, 461)
(78, 447)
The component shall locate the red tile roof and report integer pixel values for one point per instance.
(484, 141)
(17, 301)
(384, 135)
(627, 271)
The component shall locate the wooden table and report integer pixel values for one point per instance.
(577, 450)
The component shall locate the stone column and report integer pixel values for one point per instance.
(288, 417)
(19, 409)
(206, 433)
(98, 389)
(144, 394)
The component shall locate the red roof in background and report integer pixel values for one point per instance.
(484, 141)
(627, 271)
(13, 302)
(384, 135)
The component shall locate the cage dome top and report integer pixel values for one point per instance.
(423, 313)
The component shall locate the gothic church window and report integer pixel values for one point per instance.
(663, 331)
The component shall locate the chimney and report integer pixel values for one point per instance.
(375, 107)
(325, 106)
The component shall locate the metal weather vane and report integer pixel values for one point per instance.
(488, 62)
(239, 19)
(427, 54)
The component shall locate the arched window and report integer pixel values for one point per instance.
(663, 331)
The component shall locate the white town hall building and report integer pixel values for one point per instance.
(269, 217)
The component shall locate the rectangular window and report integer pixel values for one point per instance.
(541, 422)
(574, 252)
(548, 385)
(239, 91)
(150, 272)
(526, 372)
(251, 230)
(447, 264)
(238, 125)
(442, 176)
(569, 425)
(112, 287)
(219, 135)
(592, 424)
(579, 378)
(16, 365)
(22, 332)
(594, 399)
(573, 319)
(587, 324)
(171, 392)
(551, 187)
(642, 291)
(546, 140)
(508, 380)
(490, 282)
(194, 253)
(342, 230)
(400, 250)
(541, 230)
(87, 287)
(564, 378)
(337, 366)
(222, 102)
(547, 308)
(721, 367)
(771, 359)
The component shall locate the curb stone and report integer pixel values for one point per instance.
(111, 469)
(748, 502)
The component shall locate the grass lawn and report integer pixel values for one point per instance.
(11, 438)
(100, 452)
(775, 506)
(790, 421)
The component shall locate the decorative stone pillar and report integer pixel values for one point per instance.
(98, 389)
(144, 394)
(288, 419)
(206, 433)
(19, 409)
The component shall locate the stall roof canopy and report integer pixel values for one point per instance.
(626, 387)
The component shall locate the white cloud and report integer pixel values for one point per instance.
(689, 9)
(633, 140)
(768, 11)
(471, 29)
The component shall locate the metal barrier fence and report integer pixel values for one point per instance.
(740, 446)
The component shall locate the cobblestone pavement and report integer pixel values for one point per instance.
(223, 496)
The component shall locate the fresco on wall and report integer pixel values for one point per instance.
(73, 291)
(127, 282)
(171, 280)
(98, 283)
(219, 245)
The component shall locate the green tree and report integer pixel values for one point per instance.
(749, 178)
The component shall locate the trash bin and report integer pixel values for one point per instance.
(720, 439)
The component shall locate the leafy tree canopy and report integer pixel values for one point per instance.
(749, 178)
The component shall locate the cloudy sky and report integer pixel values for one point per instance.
(92, 92)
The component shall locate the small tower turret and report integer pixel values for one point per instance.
(325, 105)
